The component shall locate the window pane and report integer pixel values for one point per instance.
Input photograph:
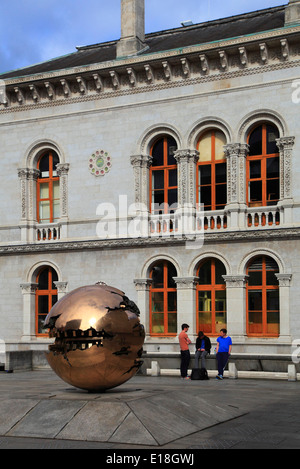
(205, 197)
(273, 323)
(44, 165)
(272, 168)
(272, 135)
(255, 278)
(273, 191)
(205, 274)
(221, 175)
(172, 323)
(204, 175)
(255, 192)
(43, 304)
(220, 271)
(204, 147)
(54, 299)
(255, 142)
(172, 198)
(43, 280)
(255, 169)
(45, 210)
(158, 276)
(255, 323)
(271, 278)
(273, 300)
(157, 302)
(255, 300)
(220, 300)
(158, 323)
(171, 273)
(56, 190)
(205, 323)
(157, 153)
(172, 301)
(204, 301)
(172, 147)
(56, 209)
(173, 177)
(44, 191)
(158, 179)
(220, 141)
(158, 201)
(221, 196)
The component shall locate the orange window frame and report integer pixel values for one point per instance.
(264, 288)
(50, 293)
(166, 168)
(213, 287)
(213, 185)
(263, 178)
(50, 181)
(165, 290)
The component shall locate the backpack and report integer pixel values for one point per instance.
(199, 374)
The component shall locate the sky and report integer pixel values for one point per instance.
(32, 31)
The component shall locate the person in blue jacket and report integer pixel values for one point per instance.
(223, 351)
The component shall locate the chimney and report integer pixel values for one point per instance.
(132, 28)
(292, 13)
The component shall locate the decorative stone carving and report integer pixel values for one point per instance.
(187, 160)
(100, 163)
(236, 172)
(285, 145)
(141, 165)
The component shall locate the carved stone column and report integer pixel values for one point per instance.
(236, 154)
(186, 303)
(141, 165)
(187, 161)
(284, 305)
(62, 171)
(142, 286)
(28, 292)
(236, 304)
(61, 289)
(285, 146)
(28, 178)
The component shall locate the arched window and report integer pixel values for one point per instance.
(48, 199)
(163, 176)
(163, 299)
(263, 167)
(212, 171)
(262, 298)
(211, 297)
(46, 296)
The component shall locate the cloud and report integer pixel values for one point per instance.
(32, 31)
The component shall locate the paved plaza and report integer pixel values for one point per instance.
(39, 411)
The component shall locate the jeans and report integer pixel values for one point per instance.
(222, 358)
(202, 355)
(185, 361)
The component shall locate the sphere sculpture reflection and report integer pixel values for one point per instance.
(98, 338)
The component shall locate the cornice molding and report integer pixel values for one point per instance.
(280, 234)
(242, 56)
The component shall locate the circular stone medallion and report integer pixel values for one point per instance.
(100, 163)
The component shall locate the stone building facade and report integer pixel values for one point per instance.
(108, 151)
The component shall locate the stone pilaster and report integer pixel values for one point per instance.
(236, 304)
(187, 161)
(186, 302)
(28, 292)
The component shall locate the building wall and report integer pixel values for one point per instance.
(123, 126)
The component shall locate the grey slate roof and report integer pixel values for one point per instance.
(241, 25)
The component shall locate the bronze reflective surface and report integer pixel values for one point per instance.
(98, 338)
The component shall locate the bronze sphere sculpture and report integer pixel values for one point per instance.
(98, 338)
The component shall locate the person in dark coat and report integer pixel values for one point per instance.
(203, 347)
